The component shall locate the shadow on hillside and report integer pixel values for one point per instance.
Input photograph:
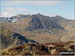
(23, 38)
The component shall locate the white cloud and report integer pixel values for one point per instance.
(8, 12)
(37, 2)
(11, 11)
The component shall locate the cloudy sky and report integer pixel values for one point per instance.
(46, 7)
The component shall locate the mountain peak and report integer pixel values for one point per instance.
(39, 14)
(60, 17)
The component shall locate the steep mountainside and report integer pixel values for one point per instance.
(64, 22)
(42, 22)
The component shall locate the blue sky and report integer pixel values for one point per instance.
(50, 8)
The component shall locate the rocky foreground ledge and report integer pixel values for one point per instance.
(40, 49)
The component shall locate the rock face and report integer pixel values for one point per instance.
(35, 23)
(43, 22)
